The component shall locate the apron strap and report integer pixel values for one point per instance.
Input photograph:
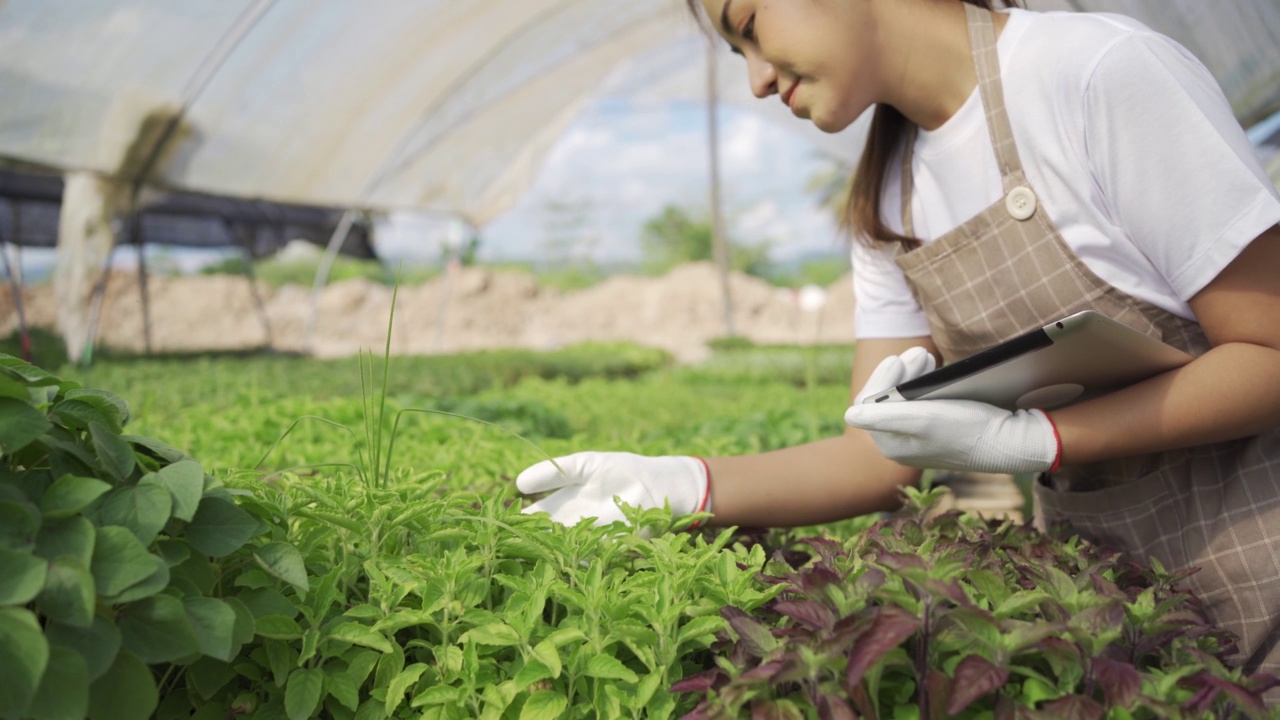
(982, 39)
(986, 59)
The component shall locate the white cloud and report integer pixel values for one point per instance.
(622, 164)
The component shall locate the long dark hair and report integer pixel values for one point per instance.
(862, 216)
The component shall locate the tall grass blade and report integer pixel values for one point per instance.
(396, 425)
(294, 424)
(386, 373)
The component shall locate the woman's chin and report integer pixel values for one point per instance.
(828, 124)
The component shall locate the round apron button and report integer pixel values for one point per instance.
(1020, 202)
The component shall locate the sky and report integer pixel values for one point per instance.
(624, 160)
(618, 164)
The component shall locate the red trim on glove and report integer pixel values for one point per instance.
(1057, 438)
(706, 496)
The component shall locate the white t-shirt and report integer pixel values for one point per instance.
(1130, 146)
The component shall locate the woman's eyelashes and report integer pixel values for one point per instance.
(749, 30)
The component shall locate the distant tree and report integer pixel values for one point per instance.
(673, 237)
(831, 187)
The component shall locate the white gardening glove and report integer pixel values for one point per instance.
(590, 481)
(952, 434)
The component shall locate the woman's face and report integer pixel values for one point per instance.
(818, 56)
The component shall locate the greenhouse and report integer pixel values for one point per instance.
(529, 359)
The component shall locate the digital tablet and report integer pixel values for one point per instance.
(1073, 359)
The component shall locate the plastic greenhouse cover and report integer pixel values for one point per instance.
(443, 105)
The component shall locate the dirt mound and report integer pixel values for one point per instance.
(471, 309)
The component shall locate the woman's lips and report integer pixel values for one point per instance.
(790, 96)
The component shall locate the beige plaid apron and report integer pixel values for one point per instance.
(1215, 507)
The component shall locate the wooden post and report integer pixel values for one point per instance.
(719, 245)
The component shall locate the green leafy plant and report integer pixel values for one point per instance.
(110, 549)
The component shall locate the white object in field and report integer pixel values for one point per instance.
(86, 233)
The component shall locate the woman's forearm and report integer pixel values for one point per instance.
(1230, 392)
(818, 482)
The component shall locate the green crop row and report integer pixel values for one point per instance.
(340, 553)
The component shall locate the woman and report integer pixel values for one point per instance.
(1023, 166)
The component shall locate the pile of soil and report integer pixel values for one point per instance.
(473, 308)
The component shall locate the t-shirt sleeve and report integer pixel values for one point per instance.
(883, 304)
(1179, 176)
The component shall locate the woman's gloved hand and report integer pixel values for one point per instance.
(952, 434)
(590, 481)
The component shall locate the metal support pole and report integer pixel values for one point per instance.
(241, 234)
(95, 306)
(719, 245)
(135, 236)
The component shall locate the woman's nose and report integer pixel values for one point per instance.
(764, 78)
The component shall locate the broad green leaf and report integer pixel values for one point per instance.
(357, 634)
(144, 509)
(174, 552)
(11, 388)
(648, 686)
(402, 619)
(608, 667)
(21, 577)
(1019, 602)
(498, 698)
(499, 634)
(698, 628)
(344, 689)
(282, 659)
(389, 665)
(69, 593)
(70, 494)
(310, 642)
(219, 527)
(266, 601)
(560, 638)
(549, 656)
(284, 562)
(19, 523)
(74, 536)
(20, 424)
(9, 490)
(109, 403)
(119, 560)
(164, 451)
(360, 664)
(25, 372)
(302, 693)
(157, 630)
(127, 691)
(533, 671)
(79, 414)
(401, 684)
(208, 676)
(115, 454)
(437, 695)
(214, 622)
(243, 631)
(64, 688)
(185, 482)
(98, 644)
(278, 627)
(24, 654)
(544, 705)
(198, 571)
